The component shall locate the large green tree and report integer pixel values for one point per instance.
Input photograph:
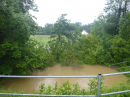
(115, 9)
(124, 27)
(63, 28)
(64, 35)
(15, 30)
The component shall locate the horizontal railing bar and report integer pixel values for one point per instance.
(14, 76)
(119, 63)
(115, 92)
(122, 67)
(115, 73)
(47, 95)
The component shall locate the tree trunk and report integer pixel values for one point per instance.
(124, 10)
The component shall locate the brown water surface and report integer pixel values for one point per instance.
(28, 84)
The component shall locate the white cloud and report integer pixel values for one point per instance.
(84, 11)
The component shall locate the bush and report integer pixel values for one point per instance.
(68, 58)
(69, 89)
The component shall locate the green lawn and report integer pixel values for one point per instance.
(41, 38)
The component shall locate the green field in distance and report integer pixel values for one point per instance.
(41, 38)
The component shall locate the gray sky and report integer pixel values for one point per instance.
(84, 11)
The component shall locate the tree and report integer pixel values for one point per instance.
(15, 30)
(62, 28)
(24, 6)
(124, 27)
(115, 10)
(78, 24)
(40, 31)
(97, 28)
(48, 29)
(64, 35)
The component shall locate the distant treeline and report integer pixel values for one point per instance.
(49, 28)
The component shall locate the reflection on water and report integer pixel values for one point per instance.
(28, 84)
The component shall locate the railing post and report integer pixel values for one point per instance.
(99, 83)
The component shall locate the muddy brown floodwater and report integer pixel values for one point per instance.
(28, 84)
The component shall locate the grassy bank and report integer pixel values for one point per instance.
(41, 38)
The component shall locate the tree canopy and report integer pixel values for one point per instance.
(15, 29)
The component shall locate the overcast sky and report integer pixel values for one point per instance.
(84, 11)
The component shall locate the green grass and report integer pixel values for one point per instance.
(41, 38)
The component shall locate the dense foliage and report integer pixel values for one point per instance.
(18, 54)
(64, 36)
(75, 89)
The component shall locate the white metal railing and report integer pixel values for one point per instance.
(13, 76)
(118, 63)
(98, 87)
(123, 67)
(119, 92)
